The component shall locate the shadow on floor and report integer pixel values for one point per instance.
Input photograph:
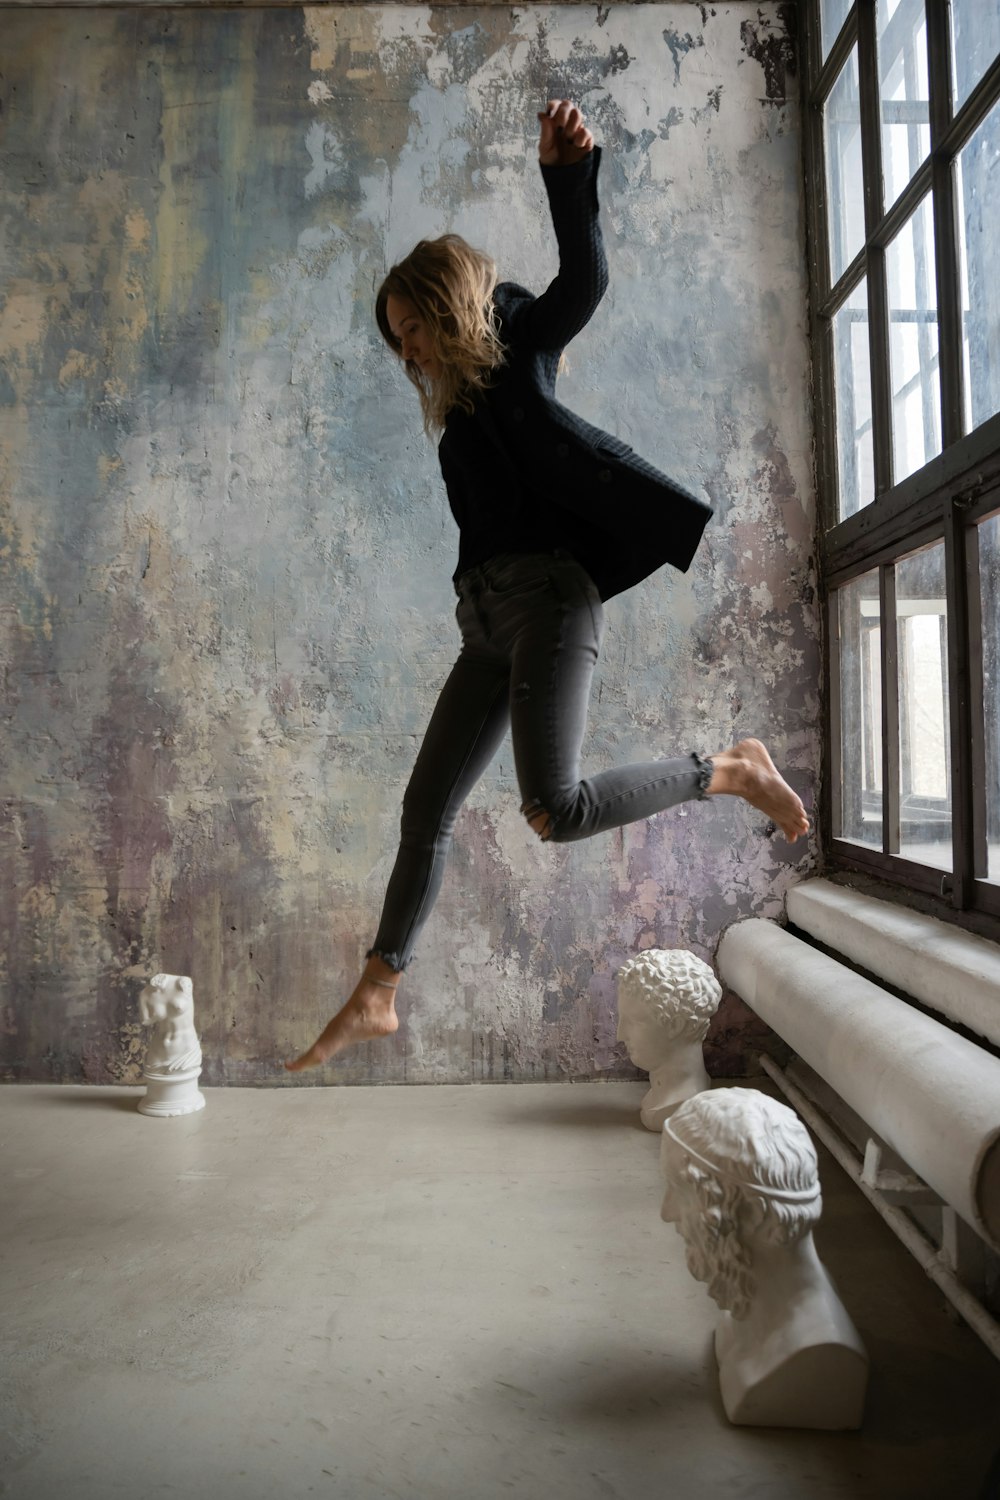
(97, 1098)
(582, 1116)
(899, 1449)
(904, 1393)
(991, 1484)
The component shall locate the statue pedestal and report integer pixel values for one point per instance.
(172, 1093)
(653, 1118)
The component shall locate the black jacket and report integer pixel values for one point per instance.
(633, 519)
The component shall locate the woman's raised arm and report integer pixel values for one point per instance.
(569, 161)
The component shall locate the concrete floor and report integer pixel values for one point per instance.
(440, 1293)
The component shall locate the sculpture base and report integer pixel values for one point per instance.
(172, 1094)
(653, 1118)
(671, 1086)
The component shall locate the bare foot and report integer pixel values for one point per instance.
(370, 1013)
(748, 771)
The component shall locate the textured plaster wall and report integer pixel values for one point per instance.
(225, 552)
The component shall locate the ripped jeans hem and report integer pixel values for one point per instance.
(705, 770)
(535, 809)
(392, 959)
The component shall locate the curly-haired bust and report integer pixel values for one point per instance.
(666, 999)
(742, 1186)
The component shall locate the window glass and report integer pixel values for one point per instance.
(913, 344)
(989, 593)
(845, 192)
(834, 14)
(978, 192)
(975, 42)
(924, 746)
(859, 624)
(852, 375)
(904, 92)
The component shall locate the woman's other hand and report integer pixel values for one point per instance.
(564, 136)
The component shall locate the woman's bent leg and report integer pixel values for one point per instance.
(551, 673)
(552, 667)
(466, 727)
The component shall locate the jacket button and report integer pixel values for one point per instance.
(562, 449)
(517, 415)
(604, 475)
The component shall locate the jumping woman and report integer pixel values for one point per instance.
(554, 517)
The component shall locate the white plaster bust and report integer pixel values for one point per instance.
(743, 1189)
(173, 1056)
(167, 1004)
(666, 999)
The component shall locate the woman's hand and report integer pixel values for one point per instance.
(564, 137)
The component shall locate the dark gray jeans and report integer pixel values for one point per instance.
(531, 628)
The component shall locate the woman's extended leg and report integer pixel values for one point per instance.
(466, 727)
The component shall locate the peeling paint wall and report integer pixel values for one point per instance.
(225, 551)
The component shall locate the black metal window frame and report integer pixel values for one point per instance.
(941, 502)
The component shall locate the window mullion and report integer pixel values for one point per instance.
(871, 125)
(959, 707)
(834, 798)
(975, 726)
(818, 232)
(890, 710)
(939, 71)
(878, 299)
(878, 344)
(949, 294)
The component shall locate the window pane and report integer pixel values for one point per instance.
(834, 13)
(860, 631)
(852, 376)
(913, 344)
(842, 125)
(978, 187)
(975, 42)
(924, 759)
(989, 587)
(904, 91)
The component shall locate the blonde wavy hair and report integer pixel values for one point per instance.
(451, 285)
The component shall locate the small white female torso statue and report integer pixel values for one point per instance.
(666, 999)
(173, 1057)
(743, 1190)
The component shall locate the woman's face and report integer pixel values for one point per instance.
(415, 341)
